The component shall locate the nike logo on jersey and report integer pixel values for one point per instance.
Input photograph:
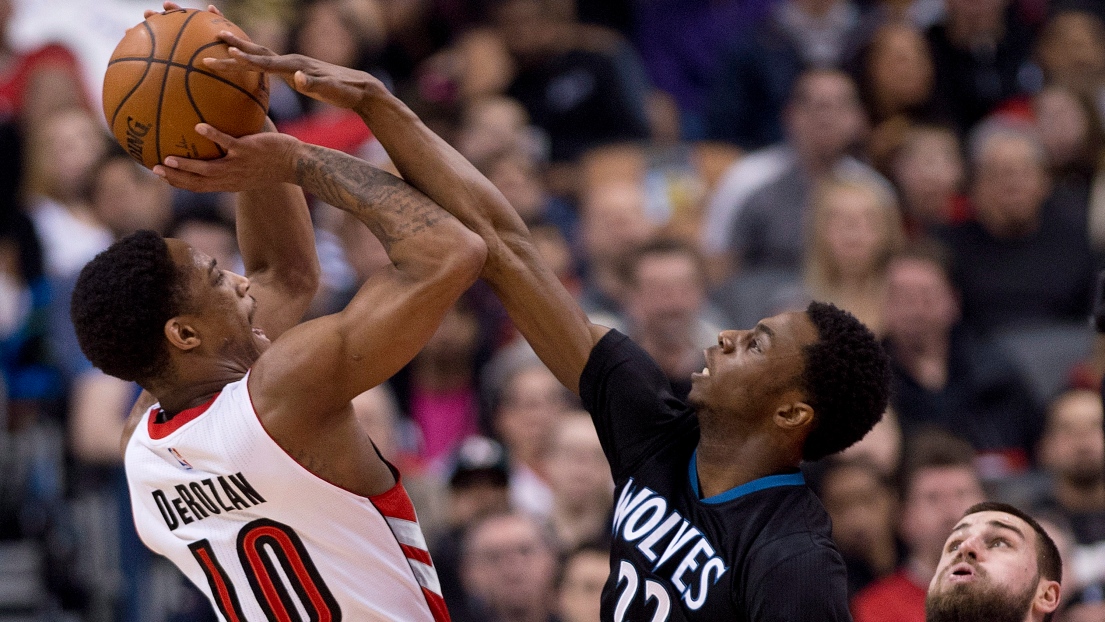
(641, 516)
(198, 500)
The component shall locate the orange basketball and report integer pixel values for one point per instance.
(157, 88)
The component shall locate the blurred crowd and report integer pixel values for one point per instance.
(937, 167)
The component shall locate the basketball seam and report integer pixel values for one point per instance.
(165, 82)
(145, 72)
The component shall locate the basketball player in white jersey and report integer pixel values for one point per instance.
(250, 472)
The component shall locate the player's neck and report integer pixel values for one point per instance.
(178, 397)
(730, 463)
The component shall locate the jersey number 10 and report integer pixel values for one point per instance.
(267, 582)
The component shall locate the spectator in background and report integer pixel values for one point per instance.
(62, 151)
(980, 49)
(757, 75)
(938, 484)
(612, 224)
(757, 217)
(856, 228)
(38, 83)
(579, 590)
(440, 387)
(580, 480)
(348, 34)
(477, 488)
(947, 375)
(577, 95)
(1070, 132)
(1072, 452)
(528, 403)
(896, 81)
(666, 308)
(1070, 52)
(863, 507)
(508, 566)
(928, 171)
(1026, 257)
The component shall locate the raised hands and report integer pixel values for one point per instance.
(328, 83)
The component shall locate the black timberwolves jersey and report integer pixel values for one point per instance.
(761, 551)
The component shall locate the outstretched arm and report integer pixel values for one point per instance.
(540, 307)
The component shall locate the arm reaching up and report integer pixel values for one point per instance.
(540, 307)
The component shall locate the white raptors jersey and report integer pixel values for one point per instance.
(263, 537)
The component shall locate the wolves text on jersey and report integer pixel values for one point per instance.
(642, 517)
(198, 500)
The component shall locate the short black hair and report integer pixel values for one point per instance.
(1048, 561)
(120, 304)
(846, 380)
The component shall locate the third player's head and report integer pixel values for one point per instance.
(998, 565)
(156, 311)
(815, 381)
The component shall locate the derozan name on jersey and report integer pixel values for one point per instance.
(187, 503)
(641, 514)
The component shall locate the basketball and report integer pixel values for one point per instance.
(157, 88)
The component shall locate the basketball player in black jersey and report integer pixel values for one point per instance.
(713, 520)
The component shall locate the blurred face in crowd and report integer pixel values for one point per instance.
(528, 28)
(517, 178)
(933, 503)
(665, 297)
(127, 197)
(62, 152)
(900, 68)
(929, 171)
(860, 505)
(614, 221)
(1010, 185)
(509, 565)
(1064, 125)
(824, 116)
(854, 230)
(575, 464)
(1071, 51)
(1072, 446)
(989, 572)
(881, 447)
(532, 401)
(970, 20)
(580, 595)
(920, 302)
(335, 31)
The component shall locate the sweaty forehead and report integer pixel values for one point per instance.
(184, 256)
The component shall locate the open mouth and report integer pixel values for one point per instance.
(961, 572)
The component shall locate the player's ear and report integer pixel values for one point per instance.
(793, 415)
(181, 334)
(1047, 596)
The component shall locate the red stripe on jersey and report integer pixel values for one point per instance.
(417, 555)
(395, 502)
(159, 431)
(437, 606)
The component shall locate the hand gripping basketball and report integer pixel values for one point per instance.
(251, 162)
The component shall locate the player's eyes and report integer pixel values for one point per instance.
(953, 546)
(996, 542)
(220, 278)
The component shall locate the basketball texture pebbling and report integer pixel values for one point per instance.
(157, 88)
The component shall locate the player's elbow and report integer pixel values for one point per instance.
(468, 257)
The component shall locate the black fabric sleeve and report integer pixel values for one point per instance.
(808, 586)
(630, 401)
